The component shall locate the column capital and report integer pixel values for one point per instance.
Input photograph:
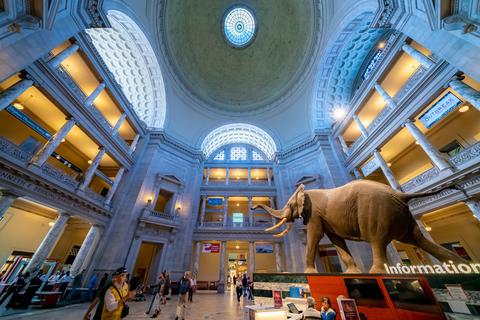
(64, 214)
(8, 193)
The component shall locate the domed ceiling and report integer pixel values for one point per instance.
(239, 80)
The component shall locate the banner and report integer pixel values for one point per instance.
(439, 110)
(210, 247)
(264, 248)
(215, 201)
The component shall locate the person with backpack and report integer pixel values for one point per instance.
(184, 286)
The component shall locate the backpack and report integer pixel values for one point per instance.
(184, 284)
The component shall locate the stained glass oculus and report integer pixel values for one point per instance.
(239, 26)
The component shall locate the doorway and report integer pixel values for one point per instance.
(148, 262)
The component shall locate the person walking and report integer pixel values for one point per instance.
(159, 294)
(192, 289)
(168, 286)
(245, 284)
(98, 302)
(183, 292)
(238, 289)
(14, 289)
(250, 289)
(64, 281)
(116, 296)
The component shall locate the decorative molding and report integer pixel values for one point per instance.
(385, 12)
(95, 11)
(421, 179)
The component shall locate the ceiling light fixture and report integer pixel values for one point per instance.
(238, 177)
(238, 204)
(464, 108)
(18, 106)
(381, 45)
(237, 247)
(389, 164)
(51, 223)
(63, 140)
(417, 143)
(89, 161)
(428, 228)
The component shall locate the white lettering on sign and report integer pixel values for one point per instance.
(444, 268)
(369, 167)
(439, 110)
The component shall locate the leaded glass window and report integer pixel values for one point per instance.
(256, 156)
(238, 154)
(220, 156)
(239, 27)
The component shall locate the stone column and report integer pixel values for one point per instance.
(6, 201)
(196, 258)
(251, 258)
(225, 211)
(417, 55)
(386, 171)
(202, 210)
(89, 173)
(133, 146)
(427, 235)
(392, 254)
(250, 212)
(249, 176)
(360, 125)
(115, 184)
(48, 242)
(467, 92)
(429, 149)
(119, 123)
(385, 96)
(207, 178)
(43, 153)
(278, 257)
(344, 146)
(474, 206)
(221, 280)
(272, 205)
(84, 251)
(269, 177)
(357, 174)
(59, 58)
(91, 98)
(9, 95)
(227, 176)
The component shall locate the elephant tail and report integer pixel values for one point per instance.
(409, 196)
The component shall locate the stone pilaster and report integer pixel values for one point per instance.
(202, 210)
(84, 251)
(360, 125)
(249, 174)
(429, 149)
(221, 276)
(269, 177)
(196, 258)
(278, 257)
(386, 171)
(250, 212)
(114, 187)
(417, 55)
(227, 176)
(91, 98)
(48, 243)
(251, 258)
(119, 123)
(9, 95)
(272, 205)
(133, 146)
(90, 172)
(225, 211)
(59, 58)
(344, 146)
(385, 96)
(6, 201)
(207, 178)
(42, 155)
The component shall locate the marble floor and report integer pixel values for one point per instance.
(205, 306)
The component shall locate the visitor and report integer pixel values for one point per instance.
(168, 287)
(116, 296)
(92, 284)
(64, 281)
(14, 289)
(184, 285)
(54, 281)
(250, 289)
(98, 302)
(327, 311)
(103, 281)
(234, 283)
(192, 289)
(77, 283)
(245, 284)
(157, 298)
(238, 289)
(32, 287)
(311, 312)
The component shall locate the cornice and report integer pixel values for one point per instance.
(168, 140)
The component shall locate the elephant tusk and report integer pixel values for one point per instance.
(277, 225)
(284, 232)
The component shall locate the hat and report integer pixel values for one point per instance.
(120, 271)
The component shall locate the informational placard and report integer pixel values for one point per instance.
(277, 299)
(348, 309)
(456, 292)
(210, 247)
(369, 167)
(215, 201)
(440, 109)
(264, 248)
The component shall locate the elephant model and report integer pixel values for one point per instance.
(361, 210)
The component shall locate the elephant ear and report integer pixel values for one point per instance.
(299, 201)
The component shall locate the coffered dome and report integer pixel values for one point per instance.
(244, 78)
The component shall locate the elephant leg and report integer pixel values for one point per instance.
(344, 253)
(439, 252)
(379, 256)
(314, 235)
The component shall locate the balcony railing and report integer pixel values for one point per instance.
(466, 155)
(59, 176)
(157, 217)
(237, 225)
(421, 179)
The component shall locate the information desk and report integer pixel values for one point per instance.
(264, 313)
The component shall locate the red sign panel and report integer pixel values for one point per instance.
(211, 247)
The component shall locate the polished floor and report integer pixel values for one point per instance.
(205, 306)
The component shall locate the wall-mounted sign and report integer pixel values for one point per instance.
(440, 109)
(264, 248)
(444, 268)
(211, 247)
(369, 167)
(215, 201)
(348, 309)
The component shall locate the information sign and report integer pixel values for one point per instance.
(439, 110)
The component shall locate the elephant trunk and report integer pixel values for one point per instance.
(276, 213)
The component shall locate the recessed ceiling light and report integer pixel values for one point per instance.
(89, 161)
(18, 106)
(238, 204)
(389, 164)
(218, 177)
(238, 177)
(338, 113)
(256, 178)
(63, 140)
(237, 247)
(428, 228)
(51, 223)
(381, 45)
(464, 109)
